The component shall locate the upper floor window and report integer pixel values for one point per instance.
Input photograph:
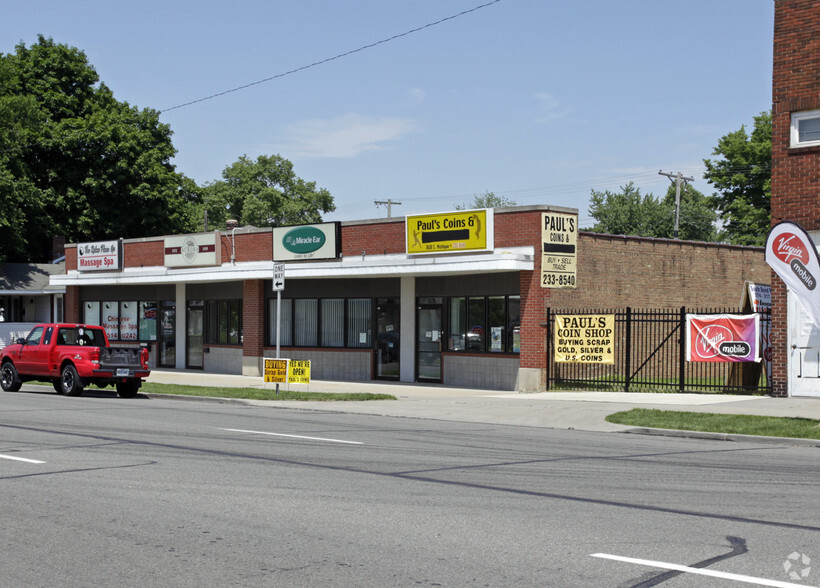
(805, 130)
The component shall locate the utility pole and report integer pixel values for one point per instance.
(678, 178)
(388, 203)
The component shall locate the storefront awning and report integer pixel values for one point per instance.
(505, 259)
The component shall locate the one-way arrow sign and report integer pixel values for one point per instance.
(278, 277)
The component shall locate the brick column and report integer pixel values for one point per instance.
(73, 312)
(253, 326)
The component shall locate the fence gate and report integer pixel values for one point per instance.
(650, 356)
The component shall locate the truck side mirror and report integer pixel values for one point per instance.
(21, 341)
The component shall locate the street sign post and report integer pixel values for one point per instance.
(278, 286)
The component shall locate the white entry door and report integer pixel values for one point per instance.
(804, 351)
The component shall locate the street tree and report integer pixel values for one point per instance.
(626, 212)
(76, 162)
(629, 213)
(264, 192)
(741, 173)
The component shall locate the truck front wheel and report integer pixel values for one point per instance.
(70, 382)
(128, 389)
(9, 378)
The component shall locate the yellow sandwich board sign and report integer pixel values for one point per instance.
(299, 371)
(276, 370)
(450, 232)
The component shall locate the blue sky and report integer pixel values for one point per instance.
(536, 100)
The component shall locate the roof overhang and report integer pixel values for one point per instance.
(506, 259)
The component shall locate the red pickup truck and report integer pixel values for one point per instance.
(71, 357)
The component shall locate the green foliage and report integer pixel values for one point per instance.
(259, 393)
(697, 216)
(742, 173)
(486, 200)
(735, 424)
(629, 213)
(265, 192)
(76, 162)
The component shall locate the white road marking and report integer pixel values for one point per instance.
(700, 571)
(295, 436)
(20, 459)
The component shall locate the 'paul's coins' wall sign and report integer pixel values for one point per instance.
(450, 232)
(307, 242)
(559, 249)
(193, 250)
(100, 256)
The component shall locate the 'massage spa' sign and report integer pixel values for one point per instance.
(99, 256)
(307, 242)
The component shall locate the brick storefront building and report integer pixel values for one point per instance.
(378, 310)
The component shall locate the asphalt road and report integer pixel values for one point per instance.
(101, 491)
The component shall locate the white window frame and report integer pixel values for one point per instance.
(795, 135)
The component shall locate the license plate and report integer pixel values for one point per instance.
(122, 372)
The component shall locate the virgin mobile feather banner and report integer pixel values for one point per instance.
(723, 337)
(793, 256)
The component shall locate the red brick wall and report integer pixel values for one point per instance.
(617, 271)
(371, 238)
(253, 317)
(144, 253)
(795, 172)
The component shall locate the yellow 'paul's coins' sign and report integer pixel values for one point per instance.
(450, 232)
(584, 338)
(276, 370)
(559, 251)
(299, 371)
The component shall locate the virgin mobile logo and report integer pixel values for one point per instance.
(788, 247)
(710, 339)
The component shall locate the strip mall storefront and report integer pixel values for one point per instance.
(457, 298)
(453, 298)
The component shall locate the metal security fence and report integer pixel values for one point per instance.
(650, 356)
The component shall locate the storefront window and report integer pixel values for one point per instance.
(91, 313)
(223, 322)
(481, 323)
(128, 320)
(514, 324)
(305, 319)
(458, 324)
(496, 324)
(333, 320)
(111, 320)
(359, 320)
(286, 331)
(148, 321)
(476, 324)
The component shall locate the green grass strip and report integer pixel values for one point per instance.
(737, 424)
(258, 393)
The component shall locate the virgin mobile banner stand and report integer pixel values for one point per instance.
(792, 255)
(722, 337)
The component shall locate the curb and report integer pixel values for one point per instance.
(725, 437)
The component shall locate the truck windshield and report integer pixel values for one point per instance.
(81, 336)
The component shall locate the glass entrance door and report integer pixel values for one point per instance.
(168, 334)
(388, 345)
(428, 340)
(196, 313)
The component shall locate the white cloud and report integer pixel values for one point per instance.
(345, 136)
(549, 109)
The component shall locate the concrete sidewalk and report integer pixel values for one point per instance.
(560, 410)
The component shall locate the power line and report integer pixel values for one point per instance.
(335, 57)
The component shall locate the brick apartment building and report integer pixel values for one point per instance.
(795, 183)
